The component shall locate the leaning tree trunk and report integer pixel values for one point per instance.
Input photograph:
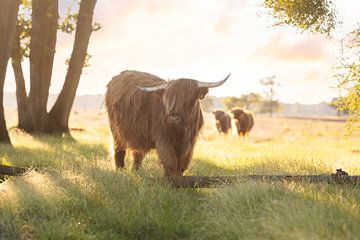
(42, 50)
(59, 114)
(21, 98)
(8, 17)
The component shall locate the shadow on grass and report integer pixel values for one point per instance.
(74, 147)
(101, 204)
(105, 204)
(202, 167)
(53, 152)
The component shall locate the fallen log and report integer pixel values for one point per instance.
(340, 177)
(11, 171)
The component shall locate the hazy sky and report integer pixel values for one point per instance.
(206, 40)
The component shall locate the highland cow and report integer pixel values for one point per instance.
(244, 121)
(146, 112)
(223, 121)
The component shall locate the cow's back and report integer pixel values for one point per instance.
(226, 122)
(245, 122)
(251, 122)
(131, 110)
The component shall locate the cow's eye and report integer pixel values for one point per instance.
(202, 93)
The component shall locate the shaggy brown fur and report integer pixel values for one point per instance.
(168, 120)
(244, 121)
(223, 121)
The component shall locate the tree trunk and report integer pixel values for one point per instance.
(8, 17)
(59, 114)
(43, 40)
(21, 98)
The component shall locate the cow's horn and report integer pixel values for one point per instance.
(153, 88)
(212, 84)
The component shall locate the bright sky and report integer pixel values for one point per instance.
(206, 40)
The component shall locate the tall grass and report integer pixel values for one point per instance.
(75, 194)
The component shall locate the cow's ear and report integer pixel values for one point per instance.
(202, 92)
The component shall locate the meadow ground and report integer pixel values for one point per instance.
(75, 194)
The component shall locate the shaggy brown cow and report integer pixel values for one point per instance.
(223, 121)
(148, 112)
(244, 121)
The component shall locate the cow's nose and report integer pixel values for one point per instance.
(174, 118)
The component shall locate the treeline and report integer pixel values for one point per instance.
(258, 104)
(252, 101)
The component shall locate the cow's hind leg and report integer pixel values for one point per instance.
(119, 158)
(138, 158)
(246, 137)
(119, 149)
(241, 134)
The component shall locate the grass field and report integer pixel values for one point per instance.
(77, 195)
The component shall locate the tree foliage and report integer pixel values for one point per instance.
(23, 28)
(251, 101)
(317, 16)
(232, 102)
(66, 25)
(270, 105)
(349, 81)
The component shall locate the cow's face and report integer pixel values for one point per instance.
(218, 114)
(181, 101)
(180, 98)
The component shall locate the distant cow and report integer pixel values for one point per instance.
(223, 121)
(244, 121)
(148, 112)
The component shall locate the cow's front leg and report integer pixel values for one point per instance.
(185, 159)
(169, 159)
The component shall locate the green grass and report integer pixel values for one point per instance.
(75, 194)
